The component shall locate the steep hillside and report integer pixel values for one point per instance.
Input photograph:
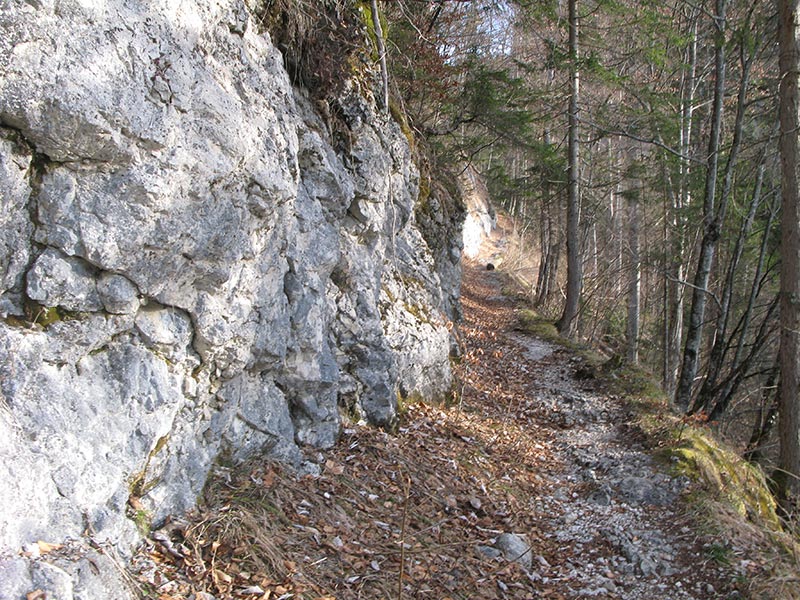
(199, 262)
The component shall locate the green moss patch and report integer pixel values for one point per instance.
(738, 483)
(530, 322)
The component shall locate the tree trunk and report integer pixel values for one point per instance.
(547, 235)
(675, 292)
(711, 223)
(721, 341)
(556, 242)
(566, 324)
(617, 244)
(634, 278)
(546, 243)
(376, 22)
(788, 479)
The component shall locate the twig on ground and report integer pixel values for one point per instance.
(403, 539)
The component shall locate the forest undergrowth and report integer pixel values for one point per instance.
(543, 446)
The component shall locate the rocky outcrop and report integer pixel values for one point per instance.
(192, 270)
(480, 218)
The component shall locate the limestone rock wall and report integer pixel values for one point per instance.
(191, 270)
(480, 219)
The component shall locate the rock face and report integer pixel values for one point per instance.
(190, 269)
(480, 219)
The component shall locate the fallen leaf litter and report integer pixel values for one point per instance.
(418, 513)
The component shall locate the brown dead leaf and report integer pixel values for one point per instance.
(45, 547)
(221, 576)
(268, 479)
(290, 565)
(36, 595)
(333, 468)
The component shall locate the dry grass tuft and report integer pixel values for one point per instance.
(318, 38)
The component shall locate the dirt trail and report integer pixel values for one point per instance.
(535, 460)
(613, 514)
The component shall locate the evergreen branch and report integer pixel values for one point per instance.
(632, 136)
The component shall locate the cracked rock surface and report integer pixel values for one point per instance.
(191, 272)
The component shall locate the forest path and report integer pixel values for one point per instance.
(535, 461)
(611, 517)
